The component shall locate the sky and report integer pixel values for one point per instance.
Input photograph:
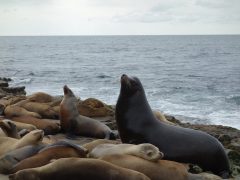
(119, 17)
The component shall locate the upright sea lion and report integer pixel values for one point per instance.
(61, 149)
(78, 168)
(160, 170)
(137, 124)
(146, 151)
(8, 144)
(10, 159)
(9, 128)
(49, 126)
(73, 122)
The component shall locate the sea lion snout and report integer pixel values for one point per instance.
(125, 80)
(65, 89)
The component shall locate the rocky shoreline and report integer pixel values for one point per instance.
(228, 136)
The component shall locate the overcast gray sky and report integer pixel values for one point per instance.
(119, 17)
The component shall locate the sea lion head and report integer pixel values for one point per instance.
(27, 174)
(9, 128)
(69, 95)
(130, 85)
(150, 152)
(67, 91)
(34, 136)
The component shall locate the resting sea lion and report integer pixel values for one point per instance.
(91, 145)
(10, 159)
(137, 124)
(45, 110)
(73, 122)
(14, 111)
(9, 128)
(40, 97)
(160, 170)
(8, 144)
(78, 168)
(49, 126)
(92, 107)
(61, 149)
(146, 151)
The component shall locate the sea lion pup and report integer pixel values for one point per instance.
(49, 126)
(137, 124)
(160, 170)
(73, 122)
(146, 151)
(78, 168)
(10, 159)
(91, 145)
(8, 144)
(14, 111)
(9, 128)
(61, 149)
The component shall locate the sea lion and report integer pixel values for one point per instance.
(91, 145)
(137, 124)
(61, 149)
(8, 144)
(49, 126)
(146, 151)
(73, 122)
(10, 159)
(14, 111)
(9, 128)
(45, 110)
(92, 107)
(160, 170)
(40, 97)
(78, 168)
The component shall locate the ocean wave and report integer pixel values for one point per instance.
(234, 99)
(20, 81)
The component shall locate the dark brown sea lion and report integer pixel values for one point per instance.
(137, 124)
(78, 168)
(72, 122)
(61, 149)
(160, 170)
(49, 126)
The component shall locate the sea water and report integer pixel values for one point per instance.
(196, 78)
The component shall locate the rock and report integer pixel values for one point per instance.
(3, 83)
(5, 79)
(15, 90)
(195, 169)
(234, 144)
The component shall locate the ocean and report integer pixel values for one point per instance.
(195, 78)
